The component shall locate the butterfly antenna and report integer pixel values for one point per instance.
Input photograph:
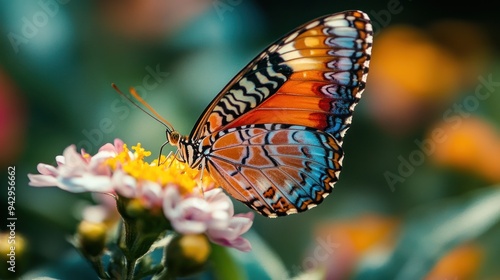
(152, 112)
(159, 156)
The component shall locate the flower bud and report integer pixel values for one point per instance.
(187, 254)
(91, 237)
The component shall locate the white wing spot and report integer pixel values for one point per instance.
(312, 24)
(291, 37)
(311, 206)
(337, 23)
(287, 48)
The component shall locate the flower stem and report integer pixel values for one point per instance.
(98, 267)
(130, 268)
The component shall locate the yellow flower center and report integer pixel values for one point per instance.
(169, 171)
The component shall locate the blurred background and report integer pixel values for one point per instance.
(418, 197)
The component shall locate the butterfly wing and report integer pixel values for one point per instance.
(312, 77)
(272, 137)
(275, 169)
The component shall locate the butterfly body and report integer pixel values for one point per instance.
(272, 137)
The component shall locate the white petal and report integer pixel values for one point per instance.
(73, 159)
(95, 213)
(171, 198)
(152, 193)
(46, 169)
(189, 227)
(124, 184)
(88, 183)
(60, 160)
(37, 180)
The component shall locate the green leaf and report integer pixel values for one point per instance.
(224, 265)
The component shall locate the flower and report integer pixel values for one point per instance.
(104, 211)
(78, 172)
(91, 237)
(187, 254)
(191, 205)
(230, 236)
(212, 214)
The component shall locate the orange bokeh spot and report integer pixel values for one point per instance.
(460, 263)
(407, 57)
(471, 144)
(361, 233)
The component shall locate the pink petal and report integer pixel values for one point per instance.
(46, 169)
(97, 164)
(74, 165)
(190, 216)
(230, 236)
(219, 201)
(105, 210)
(189, 226)
(171, 198)
(243, 221)
(219, 220)
(124, 184)
(72, 158)
(102, 156)
(83, 152)
(192, 209)
(108, 147)
(241, 244)
(60, 160)
(95, 213)
(152, 194)
(118, 145)
(187, 215)
(89, 183)
(227, 233)
(37, 180)
(106, 200)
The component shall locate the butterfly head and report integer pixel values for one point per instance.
(173, 137)
(187, 150)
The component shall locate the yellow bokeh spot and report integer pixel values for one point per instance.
(9, 241)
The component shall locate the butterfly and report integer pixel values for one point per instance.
(272, 138)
